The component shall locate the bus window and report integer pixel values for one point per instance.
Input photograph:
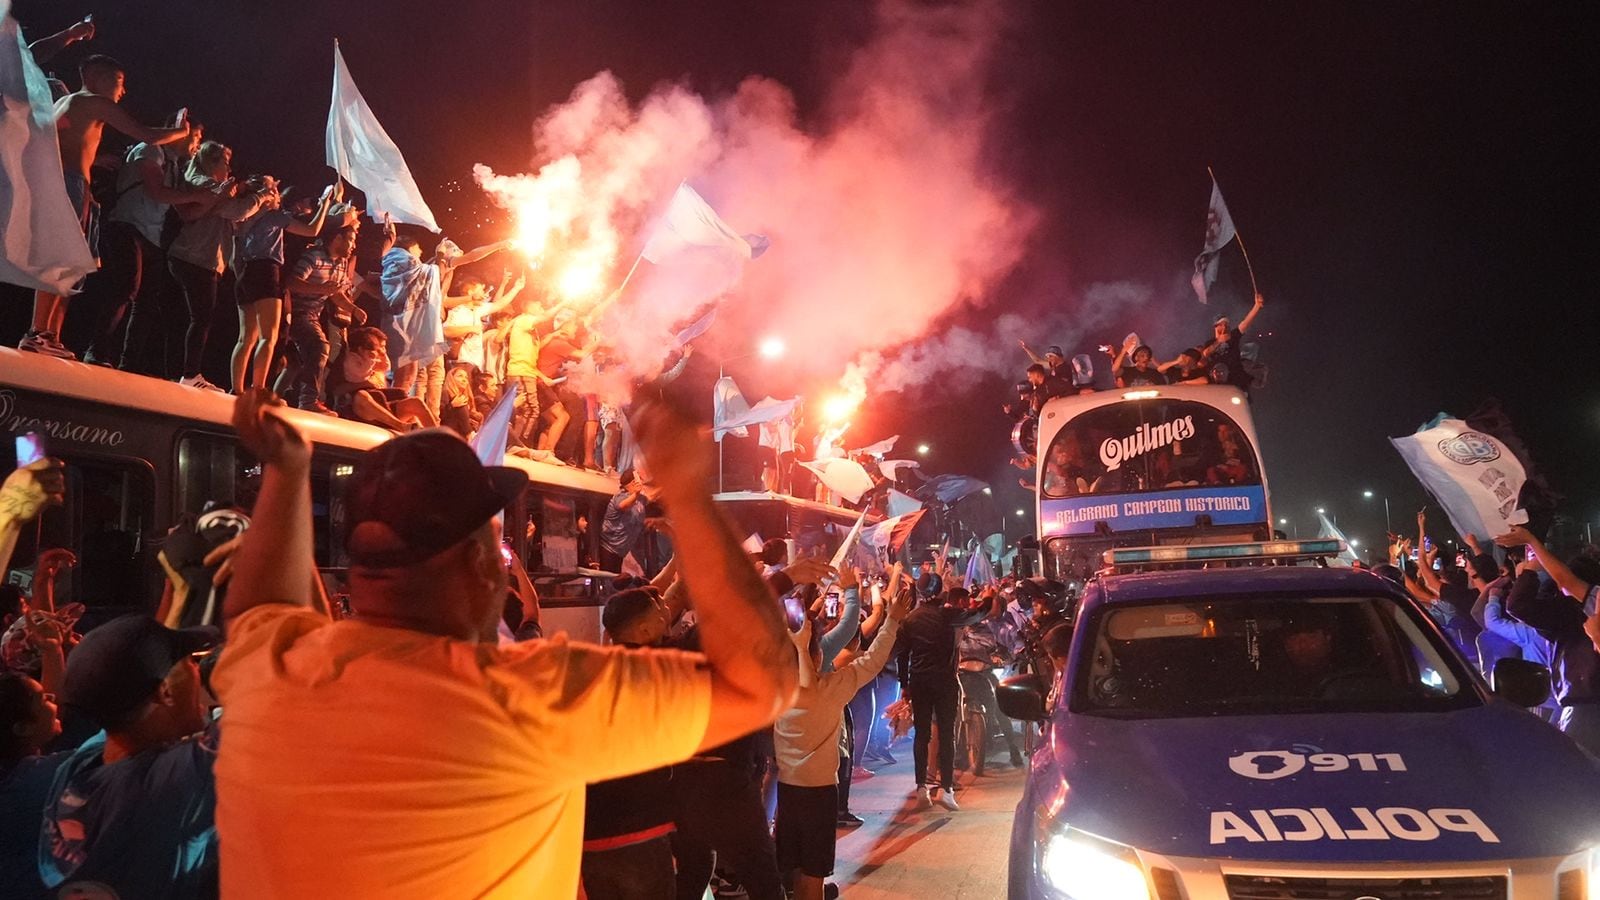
(215, 469)
(108, 521)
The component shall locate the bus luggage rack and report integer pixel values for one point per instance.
(1268, 887)
(1188, 555)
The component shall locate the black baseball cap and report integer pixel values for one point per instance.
(420, 493)
(1054, 349)
(117, 666)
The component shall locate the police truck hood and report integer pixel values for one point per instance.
(1486, 782)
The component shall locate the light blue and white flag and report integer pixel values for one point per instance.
(490, 441)
(689, 224)
(363, 154)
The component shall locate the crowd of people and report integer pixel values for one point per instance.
(181, 754)
(1526, 602)
(381, 330)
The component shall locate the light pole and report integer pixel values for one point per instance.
(770, 348)
(1387, 528)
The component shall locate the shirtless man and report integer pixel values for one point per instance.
(80, 119)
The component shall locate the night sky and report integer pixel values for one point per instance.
(1415, 183)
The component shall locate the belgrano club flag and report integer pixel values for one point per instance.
(41, 242)
(364, 155)
(1474, 476)
(1219, 231)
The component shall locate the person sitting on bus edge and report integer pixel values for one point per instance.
(1054, 361)
(1143, 372)
(1186, 368)
(520, 730)
(1223, 356)
(623, 524)
(359, 390)
(458, 411)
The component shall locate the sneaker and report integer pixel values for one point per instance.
(925, 796)
(199, 381)
(317, 406)
(860, 774)
(849, 820)
(724, 889)
(947, 799)
(44, 343)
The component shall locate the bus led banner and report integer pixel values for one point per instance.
(1178, 508)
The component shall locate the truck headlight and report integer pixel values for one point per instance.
(1083, 867)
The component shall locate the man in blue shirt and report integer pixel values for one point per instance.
(132, 809)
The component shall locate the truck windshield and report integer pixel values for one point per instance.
(1263, 655)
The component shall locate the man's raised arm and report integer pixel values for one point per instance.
(754, 669)
(275, 561)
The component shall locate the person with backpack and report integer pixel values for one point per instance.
(139, 228)
(195, 258)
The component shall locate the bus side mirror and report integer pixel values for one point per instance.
(1517, 681)
(1022, 697)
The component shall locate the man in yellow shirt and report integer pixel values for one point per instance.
(402, 752)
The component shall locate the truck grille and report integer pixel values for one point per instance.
(1268, 887)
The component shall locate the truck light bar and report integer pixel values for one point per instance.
(1280, 550)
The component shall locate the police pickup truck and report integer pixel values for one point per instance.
(1279, 731)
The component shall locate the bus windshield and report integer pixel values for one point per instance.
(1149, 464)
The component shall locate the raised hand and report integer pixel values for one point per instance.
(680, 457)
(1518, 536)
(28, 490)
(809, 570)
(266, 434)
(900, 606)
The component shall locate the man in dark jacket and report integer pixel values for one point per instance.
(927, 662)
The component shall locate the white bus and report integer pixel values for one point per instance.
(1145, 467)
(143, 453)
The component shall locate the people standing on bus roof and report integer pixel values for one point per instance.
(197, 256)
(258, 286)
(1143, 372)
(1223, 352)
(81, 118)
(133, 250)
(1054, 361)
(322, 271)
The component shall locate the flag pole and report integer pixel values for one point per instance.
(1255, 291)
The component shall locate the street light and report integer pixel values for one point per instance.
(922, 449)
(1387, 528)
(1022, 512)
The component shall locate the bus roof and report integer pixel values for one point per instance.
(1221, 396)
(157, 397)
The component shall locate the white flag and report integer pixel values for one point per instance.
(880, 449)
(891, 467)
(690, 222)
(364, 155)
(727, 404)
(844, 477)
(41, 241)
(1474, 476)
(1326, 529)
(767, 410)
(1219, 231)
(849, 542)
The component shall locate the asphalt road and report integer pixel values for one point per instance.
(906, 851)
